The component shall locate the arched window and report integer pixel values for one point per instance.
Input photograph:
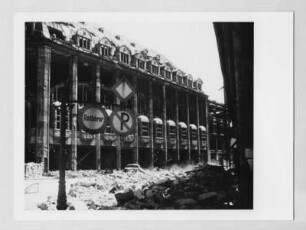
(155, 68)
(140, 61)
(105, 47)
(83, 39)
(179, 77)
(190, 80)
(168, 73)
(124, 55)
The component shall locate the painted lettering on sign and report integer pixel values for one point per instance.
(92, 119)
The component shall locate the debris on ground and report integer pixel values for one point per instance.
(191, 187)
(33, 170)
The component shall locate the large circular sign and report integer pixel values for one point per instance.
(122, 121)
(92, 119)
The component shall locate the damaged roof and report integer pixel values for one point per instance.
(96, 33)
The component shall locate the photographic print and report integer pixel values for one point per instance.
(138, 116)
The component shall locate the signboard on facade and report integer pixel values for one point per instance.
(123, 90)
(122, 122)
(92, 119)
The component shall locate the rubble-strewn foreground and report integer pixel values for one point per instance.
(190, 187)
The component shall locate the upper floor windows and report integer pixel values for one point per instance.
(83, 42)
(155, 70)
(174, 78)
(140, 64)
(104, 47)
(124, 55)
(189, 81)
(124, 58)
(105, 50)
(168, 74)
(83, 39)
(184, 80)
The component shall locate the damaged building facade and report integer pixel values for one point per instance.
(175, 121)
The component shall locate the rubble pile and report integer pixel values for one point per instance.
(197, 187)
(33, 170)
(206, 187)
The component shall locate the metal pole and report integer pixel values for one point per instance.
(61, 197)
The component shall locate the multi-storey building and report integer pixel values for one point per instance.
(170, 106)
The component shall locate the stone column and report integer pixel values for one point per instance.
(73, 70)
(118, 141)
(207, 131)
(198, 130)
(188, 129)
(151, 123)
(98, 100)
(177, 126)
(43, 105)
(165, 124)
(136, 148)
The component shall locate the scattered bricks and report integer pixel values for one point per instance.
(33, 170)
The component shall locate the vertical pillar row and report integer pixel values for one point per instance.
(207, 131)
(43, 105)
(198, 130)
(118, 141)
(165, 124)
(98, 100)
(151, 124)
(73, 70)
(188, 129)
(177, 127)
(136, 148)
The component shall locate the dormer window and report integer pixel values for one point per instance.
(190, 82)
(185, 81)
(124, 55)
(180, 79)
(105, 50)
(168, 75)
(162, 72)
(174, 77)
(148, 67)
(83, 42)
(194, 85)
(125, 58)
(155, 69)
(199, 86)
(140, 64)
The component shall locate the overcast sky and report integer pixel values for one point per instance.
(190, 46)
